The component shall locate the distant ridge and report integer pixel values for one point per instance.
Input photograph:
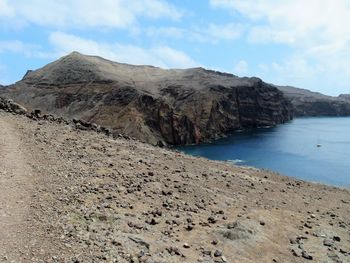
(345, 96)
(309, 103)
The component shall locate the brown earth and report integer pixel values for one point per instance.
(79, 196)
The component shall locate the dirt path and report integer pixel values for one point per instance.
(15, 192)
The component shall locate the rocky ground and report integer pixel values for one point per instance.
(80, 196)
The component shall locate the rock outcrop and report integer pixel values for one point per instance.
(308, 103)
(154, 105)
(10, 106)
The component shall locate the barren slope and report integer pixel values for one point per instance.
(103, 200)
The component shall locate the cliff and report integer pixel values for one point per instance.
(176, 106)
(308, 103)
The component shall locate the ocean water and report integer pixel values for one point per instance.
(312, 149)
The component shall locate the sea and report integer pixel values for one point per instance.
(312, 149)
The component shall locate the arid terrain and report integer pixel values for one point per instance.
(70, 195)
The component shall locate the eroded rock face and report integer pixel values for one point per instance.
(308, 103)
(154, 105)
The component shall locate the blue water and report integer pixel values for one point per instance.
(290, 149)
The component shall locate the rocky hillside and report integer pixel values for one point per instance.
(82, 196)
(152, 104)
(308, 103)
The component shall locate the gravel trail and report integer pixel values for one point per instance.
(16, 185)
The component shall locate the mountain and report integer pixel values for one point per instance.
(309, 103)
(175, 106)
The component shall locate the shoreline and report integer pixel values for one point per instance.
(347, 187)
(283, 150)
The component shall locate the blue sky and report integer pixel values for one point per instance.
(287, 42)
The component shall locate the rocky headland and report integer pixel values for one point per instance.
(307, 103)
(83, 195)
(170, 107)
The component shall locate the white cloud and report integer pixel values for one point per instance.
(167, 32)
(17, 46)
(296, 68)
(295, 22)
(155, 9)
(302, 72)
(316, 31)
(5, 9)
(241, 68)
(161, 56)
(210, 33)
(173, 57)
(87, 13)
(228, 31)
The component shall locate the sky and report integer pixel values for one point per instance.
(301, 43)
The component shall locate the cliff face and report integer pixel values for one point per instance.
(308, 103)
(154, 105)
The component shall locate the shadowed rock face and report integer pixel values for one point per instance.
(152, 104)
(308, 103)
